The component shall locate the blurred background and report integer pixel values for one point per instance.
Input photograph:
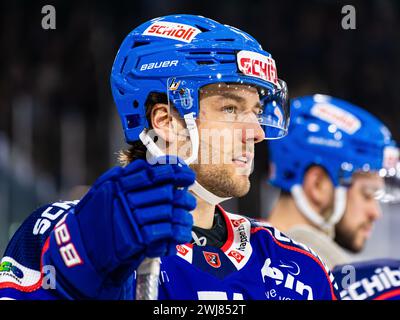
(59, 129)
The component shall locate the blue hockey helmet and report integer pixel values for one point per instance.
(336, 135)
(178, 55)
(182, 56)
(331, 133)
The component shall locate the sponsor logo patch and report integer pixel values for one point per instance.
(286, 275)
(182, 250)
(236, 255)
(242, 238)
(384, 281)
(237, 222)
(291, 267)
(7, 266)
(257, 65)
(341, 118)
(172, 30)
(14, 272)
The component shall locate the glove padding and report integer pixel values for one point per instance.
(138, 211)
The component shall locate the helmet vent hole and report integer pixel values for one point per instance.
(123, 64)
(132, 121)
(200, 52)
(205, 62)
(289, 174)
(202, 29)
(135, 103)
(139, 44)
(225, 40)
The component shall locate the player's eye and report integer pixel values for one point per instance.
(369, 193)
(229, 109)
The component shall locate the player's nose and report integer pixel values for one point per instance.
(252, 130)
(374, 211)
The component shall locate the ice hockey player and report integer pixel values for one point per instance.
(331, 169)
(177, 81)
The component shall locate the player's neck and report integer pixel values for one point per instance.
(286, 215)
(203, 215)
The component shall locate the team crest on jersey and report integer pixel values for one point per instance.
(212, 259)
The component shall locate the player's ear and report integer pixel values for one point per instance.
(163, 122)
(319, 188)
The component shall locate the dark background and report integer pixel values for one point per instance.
(59, 128)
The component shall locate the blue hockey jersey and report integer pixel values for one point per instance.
(369, 280)
(256, 262)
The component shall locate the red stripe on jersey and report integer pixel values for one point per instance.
(388, 295)
(228, 222)
(35, 286)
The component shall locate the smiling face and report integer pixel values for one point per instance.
(228, 129)
(362, 211)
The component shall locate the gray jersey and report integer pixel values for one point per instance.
(330, 252)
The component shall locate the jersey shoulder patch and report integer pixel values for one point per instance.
(20, 267)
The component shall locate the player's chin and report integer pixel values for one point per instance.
(358, 244)
(241, 183)
(243, 190)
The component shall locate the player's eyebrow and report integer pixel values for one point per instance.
(239, 99)
(229, 95)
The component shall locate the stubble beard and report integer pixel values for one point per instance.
(221, 180)
(349, 240)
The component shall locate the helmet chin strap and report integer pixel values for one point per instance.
(155, 152)
(327, 225)
(206, 195)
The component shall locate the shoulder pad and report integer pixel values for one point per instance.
(290, 244)
(21, 262)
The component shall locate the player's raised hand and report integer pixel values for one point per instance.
(130, 213)
(137, 211)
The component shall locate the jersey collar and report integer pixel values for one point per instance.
(237, 246)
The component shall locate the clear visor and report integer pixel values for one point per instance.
(391, 191)
(237, 105)
(383, 186)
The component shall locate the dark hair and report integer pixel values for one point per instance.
(285, 193)
(137, 150)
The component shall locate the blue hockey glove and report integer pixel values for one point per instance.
(130, 213)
